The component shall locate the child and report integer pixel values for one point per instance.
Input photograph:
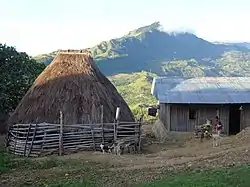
(218, 125)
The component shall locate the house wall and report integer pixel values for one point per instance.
(176, 117)
(245, 116)
(164, 115)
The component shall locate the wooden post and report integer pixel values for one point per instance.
(61, 134)
(102, 125)
(117, 116)
(27, 137)
(16, 139)
(168, 121)
(7, 140)
(115, 133)
(92, 132)
(93, 136)
(140, 129)
(88, 119)
(44, 138)
(33, 138)
(82, 120)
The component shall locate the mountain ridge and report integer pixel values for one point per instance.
(150, 49)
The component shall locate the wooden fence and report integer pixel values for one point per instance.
(43, 139)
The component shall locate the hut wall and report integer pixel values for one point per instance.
(183, 118)
(179, 118)
(224, 118)
(245, 117)
(164, 115)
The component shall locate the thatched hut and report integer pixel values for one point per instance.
(73, 84)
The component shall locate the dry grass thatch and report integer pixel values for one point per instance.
(73, 84)
(160, 131)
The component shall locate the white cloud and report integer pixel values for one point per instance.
(36, 38)
(43, 37)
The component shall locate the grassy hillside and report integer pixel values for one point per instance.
(45, 58)
(135, 89)
(232, 63)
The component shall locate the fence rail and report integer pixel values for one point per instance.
(44, 138)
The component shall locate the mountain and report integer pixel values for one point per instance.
(243, 44)
(128, 60)
(167, 53)
(240, 44)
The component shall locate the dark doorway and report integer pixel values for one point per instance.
(234, 119)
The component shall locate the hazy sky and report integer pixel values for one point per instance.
(39, 26)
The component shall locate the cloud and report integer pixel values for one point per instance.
(177, 30)
(36, 38)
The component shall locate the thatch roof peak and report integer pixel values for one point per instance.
(73, 84)
(73, 51)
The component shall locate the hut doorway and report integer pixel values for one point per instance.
(234, 119)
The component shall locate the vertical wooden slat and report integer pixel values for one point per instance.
(26, 141)
(246, 109)
(185, 118)
(191, 123)
(103, 140)
(168, 117)
(115, 130)
(140, 129)
(44, 138)
(180, 118)
(93, 136)
(61, 134)
(16, 138)
(162, 114)
(33, 138)
(245, 117)
(7, 140)
(172, 118)
(224, 118)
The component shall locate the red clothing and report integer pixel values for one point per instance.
(218, 125)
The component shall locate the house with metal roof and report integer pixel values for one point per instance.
(185, 103)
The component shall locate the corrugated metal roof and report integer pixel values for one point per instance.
(203, 90)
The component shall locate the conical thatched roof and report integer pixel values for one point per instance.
(73, 84)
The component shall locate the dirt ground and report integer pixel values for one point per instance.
(183, 150)
(180, 153)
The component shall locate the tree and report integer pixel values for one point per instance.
(17, 73)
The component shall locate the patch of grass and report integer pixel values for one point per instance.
(9, 162)
(223, 177)
(135, 88)
(5, 162)
(54, 172)
(70, 173)
(49, 172)
(73, 183)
